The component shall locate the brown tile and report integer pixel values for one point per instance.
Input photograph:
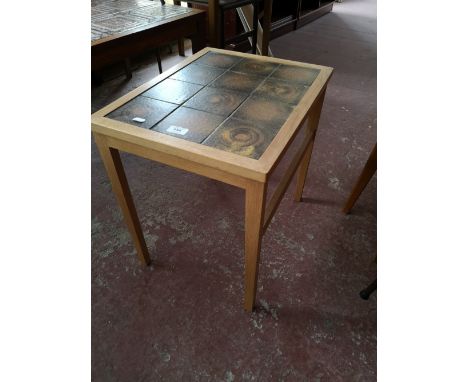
(216, 100)
(242, 138)
(172, 91)
(240, 82)
(218, 60)
(282, 91)
(198, 74)
(264, 112)
(151, 110)
(194, 125)
(253, 66)
(296, 74)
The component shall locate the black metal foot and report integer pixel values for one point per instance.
(365, 293)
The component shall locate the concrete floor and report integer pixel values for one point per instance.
(181, 319)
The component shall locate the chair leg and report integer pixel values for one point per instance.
(158, 58)
(365, 293)
(369, 170)
(255, 27)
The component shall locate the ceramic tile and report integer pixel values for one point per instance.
(216, 100)
(151, 110)
(283, 91)
(254, 66)
(198, 74)
(192, 125)
(173, 91)
(218, 60)
(296, 74)
(240, 82)
(265, 112)
(242, 138)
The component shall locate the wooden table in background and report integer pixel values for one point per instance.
(121, 29)
(225, 115)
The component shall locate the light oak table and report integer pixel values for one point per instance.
(225, 115)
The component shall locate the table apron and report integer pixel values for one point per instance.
(178, 162)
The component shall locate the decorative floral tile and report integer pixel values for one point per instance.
(240, 82)
(253, 66)
(283, 91)
(264, 112)
(297, 74)
(216, 100)
(241, 137)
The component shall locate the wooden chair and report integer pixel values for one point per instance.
(367, 173)
(216, 10)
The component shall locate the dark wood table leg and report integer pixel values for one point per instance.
(158, 58)
(181, 46)
(199, 38)
(96, 79)
(128, 68)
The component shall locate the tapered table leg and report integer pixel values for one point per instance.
(312, 125)
(254, 211)
(369, 170)
(116, 173)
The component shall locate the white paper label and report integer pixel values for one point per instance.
(138, 119)
(177, 130)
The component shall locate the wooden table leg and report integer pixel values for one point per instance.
(267, 8)
(312, 125)
(213, 22)
(128, 68)
(116, 173)
(158, 59)
(199, 38)
(367, 173)
(302, 170)
(181, 46)
(254, 210)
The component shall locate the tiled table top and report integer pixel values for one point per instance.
(111, 17)
(228, 102)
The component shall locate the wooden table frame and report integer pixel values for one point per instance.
(120, 46)
(252, 175)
